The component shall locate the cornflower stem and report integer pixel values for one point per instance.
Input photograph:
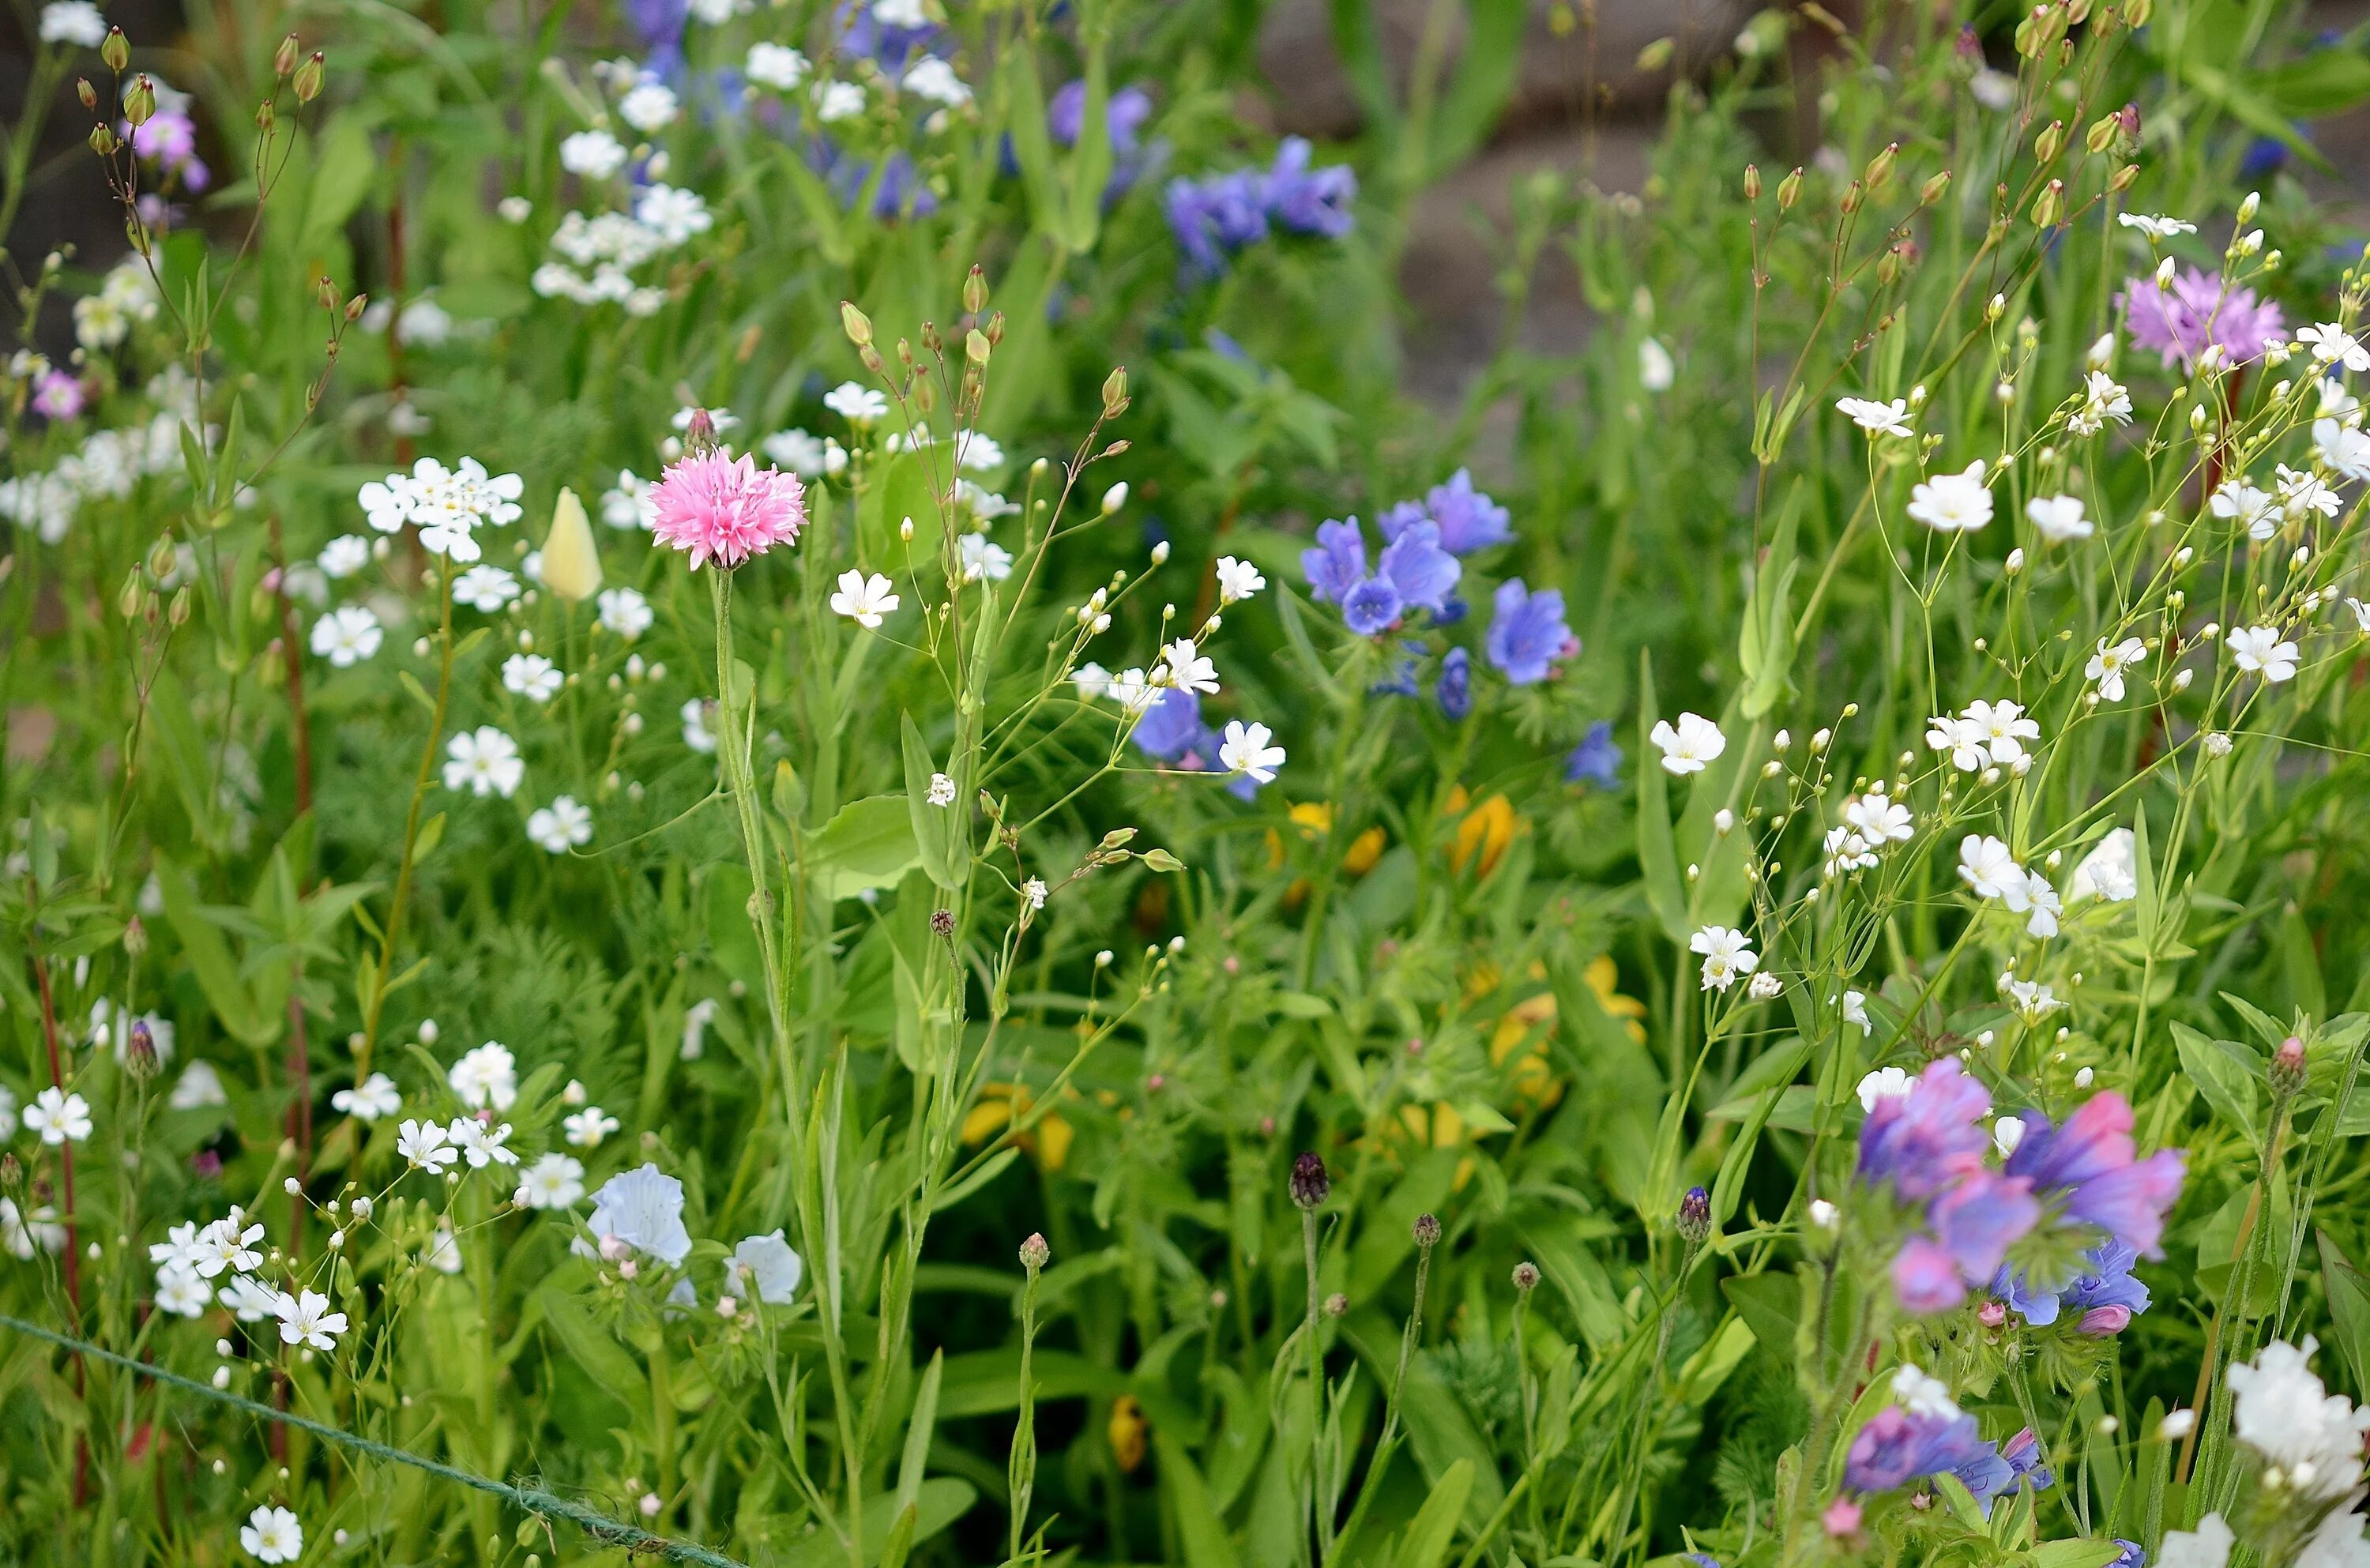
(371, 1014)
(1020, 1469)
(734, 727)
(1385, 1446)
(1316, 1387)
(2242, 1280)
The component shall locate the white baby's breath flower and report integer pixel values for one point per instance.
(484, 761)
(776, 65)
(2058, 518)
(560, 826)
(58, 1116)
(2238, 501)
(1248, 749)
(2154, 227)
(650, 106)
(1186, 669)
(1727, 955)
(586, 1129)
(75, 22)
(595, 155)
(983, 558)
(867, 601)
(2331, 344)
(1953, 504)
(2107, 665)
(942, 790)
(374, 1097)
(1237, 580)
(836, 101)
(425, 1145)
(532, 676)
(556, 1181)
(1855, 1008)
(1988, 869)
(2343, 447)
(1875, 418)
(1886, 1083)
(1690, 745)
(625, 612)
(857, 403)
(485, 1076)
(272, 1535)
(347, 636)
(2259, 651)
(2104, 402)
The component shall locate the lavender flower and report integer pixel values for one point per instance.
(2088, 1166)
(1468, 519)
(2198, 309)
(1304, 200)
(1414, 573)
(2109, 1287)
(1528, 633)
(1216, 217)
(1124, 114)
(893, 47)
(1454, 690)
(1596, 760)
(1973, 1224)
(1896, 1447)
(1171, 725)
(1925, 1142)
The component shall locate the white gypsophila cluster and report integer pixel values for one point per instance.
(1727, 955)
(107, 465)
(1985, 734)
(2283, 1413)
(447, 505)
(1991, 871)
(600, 254)
(126, 297)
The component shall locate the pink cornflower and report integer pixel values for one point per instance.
(57, 396)
(2198, 309)
(727, 509)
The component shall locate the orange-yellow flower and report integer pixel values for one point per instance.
(1485, 831)
(1126, 1430)
(1047, 1142)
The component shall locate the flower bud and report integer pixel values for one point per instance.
(1310, 1185)
(1115, 393)
(2049, 204)
(1337, 1304)
(285, 58)
(1789, 190)
(308, 82)
(115, 49)
(571, 563)
(2044, 146)
(140, 103)
(1527, 1277)
(1427, 1230)
(1931, 192)
(1880, 168)
(1695, 1217)
(699, 435)
(1853, 195)
(1753, 182)
(975, 290)
(2287, 1067)
(857, 325)
(2124, 178)
(2248, 207)
(102, 140)
(2103, 131)
(140, 1053)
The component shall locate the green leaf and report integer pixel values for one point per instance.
(1198, 1526)
(943, 1500)
(2227, 1085)
(1434, 1528)
(1486, 71)
(869, 844)
(2076, 1553)
(1032, 148)
(1765, 647)
(1771, 1305)
(931, 824)
(917, 1432)
(2348, 1289)
(209, 957)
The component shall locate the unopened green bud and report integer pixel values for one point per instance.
(2044, 146)
(2049, 203)
(2103, 131)
(116, 50)
(284, 59)
(2138, 12)
(178, 611)
(1789, 190)
(160, 558)
(1853, 196)
(1932, 191)
(308, 82)
(140, 103)
(2124, 178)
(85, 92)
(1115, 393)
(128, 597)
(102, 140)
(975, 291)
(1880, 168)
(975, 346)
(1753, 182)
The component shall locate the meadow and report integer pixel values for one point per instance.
(779, 790)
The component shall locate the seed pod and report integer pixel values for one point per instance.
(1310, 1185)
(2124, 178)
(1932, 191)
(975, 346)
(116, 50)
(265, 115)
(285, 58)
(2049, 203)
(975, 291)
(1853, 195)
(2045, 146)
(857, 326)
(85, 92)
(1115, 393)
(1880, 168)
(2138, 12)
(308, 82)
(995, 329)
(178, 611)
(1753, 182)
(102, 139)
(1789, 190)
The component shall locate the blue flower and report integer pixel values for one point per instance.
(2134, 1554)
(1451, 610)
(892, 47)
(1171, 725)
(1419, 569)
(660, 23)
(901, 192)
(1896, 1447)
(1306, 201)
(1454, 690)
(1339, 561)
(1528, 633)
(2024, 1455)
(1596, 760)
(1468, 519)
(1372, 604)
(1213, 218)
(1395, 520)
(1124, 114)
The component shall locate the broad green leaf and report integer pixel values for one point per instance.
(1434, 1528)
(2348, 1289)
(2226, 1083)
(1198, 1527)
(869, 844)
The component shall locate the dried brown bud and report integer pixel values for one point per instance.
(12, 1175)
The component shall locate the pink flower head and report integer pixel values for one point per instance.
(57, 396)
(727, 509)
(1841, 1517)
(2198, 309)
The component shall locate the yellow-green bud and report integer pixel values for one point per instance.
(308, 82)
(1753, 182)
(1789, 190)
(975, 291)
(140, 103)
(284, 59)
(116, 50)
(1115, 393)
(2044, 146)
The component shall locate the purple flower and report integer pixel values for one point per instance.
(1896, 1447)
(900, 193)
(1337, 562)
(1528, 633)
(2024, 1455)
(2134, 1554)
(2088, 1161)
(1170, 725)
(1124, 114)
(892, 47)
(57, 396)
(2108, 1286)
(1985, 1473)
(1371, 605)
(1213, 218)
(1419, 569)
(1924, 1141)
(1468, 519)
(1596, 760)
(1306, 201)
(2200, 308)
(1395, 520)
(1454, 690)
(1974, 1222)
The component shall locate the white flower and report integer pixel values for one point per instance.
(643, 1208)
(444, 1249)
(180, 1249)
(768, 1262)
(2104, 402)
(1765, 987)
(1878, 817)
(942, 789)
(2285, 1414)
(2300, 493)
(2331, 344)
(2108, 664)
(484, 761)
(838, 101)
(1987, 868)
(1922, 1393)
(867, 601)
(250, 1299)
(2336, 1541)
(673, 215)
(559, 827)
(1886, 1083)
(776, 65)
(347, 636)
(424, 1144)
(2257, 649)
(1092, 681)
(2154, 227)
(228, 1243)
(531, 675)
(181, 1291)
(1856, 1011)
(2343, 447)
(272, 1535)
(2059, 518)
(933, 80)
(374, 1097)
(857, 403)
(1962, 739)
(58, 1116)
(2361, 614)
(77, 22)
(2110, 870)
(1237, 580)
(343, 556)
(1656, 369)
(7, 1112)
(1727, 954)
(485, 589)
(1953, 504)
(1846, 851)
(1245, 750)
(198, 1088)
(483, 1143)
(2033, 1003)
(595, 155)
(2041, 894)
(2007, 1133)
(1877, 418)
(983, 558)
(586, 1129)
(2004, 729)
(695, 732)
(805, 456)
(910, 14)
(625, 612)
(629, 503)
(306, 1318)
(650, 106)
(1186, 669)
(487, 1077)
(556, 1181)
(2254, 510)
(1032, 893)
(1690, 745)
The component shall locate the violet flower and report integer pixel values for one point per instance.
(1596, 760)
(2198, 309)
(1528, 633)
(1454, 690)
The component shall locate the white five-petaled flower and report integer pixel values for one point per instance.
(2040, 894)
(649, 105)
(77, 22)
(343, 556)
(2154, 227)
(625, 612)
(1961, 739)
(1856, 1011)
(560, 826)
(374, 1097)
(2058, 518)
(768, 1263)
(1237, 580)
(934, 80)
(942, 790)
(305, 1320)
(482, 1143)
(857, 403)
(776, 65)
(485, 1077)
(484, 761)
(1185, 668)
(485, 589)
(2343, 447)
(2254, 510)
(1690, 745)
(2301, 493)
(532, 676)
(836, 101)
(983, 558)
(1953, 504)
(1886, 1083)
(2361, 614)
(1032, 893)
(1727, 955)
(1247, 749)
(2110, 870)
(58, 1116)
(556, 1181)
(1877, 418)
(181, 1291)
(867, 601)
(1922, 1393)
(2004, 729)
(2031, 1001)
(2108, 664)
(1879, 818)
(2008, 1132)
(2104, 402)
(228, 1243)
(595, 155)
(425, 1145)
(272, 1535)
(586, 1129)
(1988, 868)
(2259, 650)
(347, 636)
(2331, 344)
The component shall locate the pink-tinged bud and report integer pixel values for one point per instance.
(140, 1055)
(1991, 1314)
(2100, 1322)
(614, 1248)
(2287, 1067)
(1842, 1517)
(307, 83)
(1034, 1252)
(135, 937)
(1970, 47)
(1427, 1230)
(1337, 1304)
(1695, 1217)
(284, 59)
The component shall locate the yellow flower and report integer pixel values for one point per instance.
(1534, 1077)
(571, 563)
(1314, 820)
(1601, 978)
(1486, 831)
(1127, 1431)
(1047, 1143)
